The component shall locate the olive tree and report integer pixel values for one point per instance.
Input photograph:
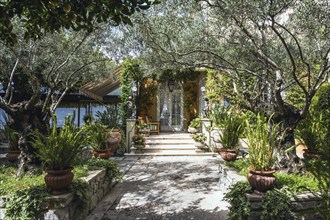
(265, 47)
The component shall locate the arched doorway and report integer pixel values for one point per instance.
(170, 107)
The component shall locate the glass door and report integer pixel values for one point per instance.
(170, 108)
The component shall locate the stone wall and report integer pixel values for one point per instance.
(65, 207)
(303, 205)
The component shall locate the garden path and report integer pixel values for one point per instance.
(168, 188)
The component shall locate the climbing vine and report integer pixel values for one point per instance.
(130, 73)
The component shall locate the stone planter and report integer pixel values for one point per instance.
(227, 154)
(58, 180)
(261, 181)
(192, 130)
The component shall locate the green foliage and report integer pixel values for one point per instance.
(232, 129)
(52, 16)
(321, 104)
(276, 205)
(296, 97)
(218, 115)
(200, 137)
(239, 206)
(130, 73)
(196, 123)
(111, 167)
(180, 75)
(26, 204)
(109, 117)
(240, 165)
(261, 142)
(312, 132)
(296, 182)
(10, 134)
(96, 135)
(59, 149)
(25, 196)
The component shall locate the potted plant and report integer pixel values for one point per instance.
(139, 141)
(232, 129)
(261, 142)
(313, 134)
(194, 125)
(97, 138)
(58, 149)
(12, 137)
(200, 139)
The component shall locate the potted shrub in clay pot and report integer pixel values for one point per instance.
(97, 138)
(58, 149)
(139, 142)
(261, 142)
(233, 128)
(194, 125)
(312, 133)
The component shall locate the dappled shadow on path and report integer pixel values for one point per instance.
(167, 189)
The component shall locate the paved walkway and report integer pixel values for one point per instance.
(168, 188)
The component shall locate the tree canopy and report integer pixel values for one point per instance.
(44, 16)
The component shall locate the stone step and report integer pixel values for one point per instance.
(171, 153)
(169, 147)
(170, 142)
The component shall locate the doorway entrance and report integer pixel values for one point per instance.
(170, 107)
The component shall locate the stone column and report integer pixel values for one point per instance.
(130, 131)
(206, 125)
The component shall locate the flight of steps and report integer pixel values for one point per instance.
(3, 150)
(169, 144)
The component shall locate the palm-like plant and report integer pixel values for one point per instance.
(261, 140)
(97, 136)
(233, 128)
(59, 148)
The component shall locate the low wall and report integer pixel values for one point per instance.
(65, 207)
(303, 205)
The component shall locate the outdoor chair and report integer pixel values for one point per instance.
(154, 126)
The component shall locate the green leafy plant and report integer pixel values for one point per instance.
(26, 204)
(109, 117)
(97, 136)
(59, 148)
(312, 132)
(196, 123)
(10, 134)
(200, 137)
(139, 139)
(261, 142)
(219, 114)
(233, 128)
(239, 206)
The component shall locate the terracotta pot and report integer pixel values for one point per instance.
(12, 155)
(227, 155)
(311, 155)
(103, 154)
(261, 181)
(58, 180)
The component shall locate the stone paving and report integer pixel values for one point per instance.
(168, 188)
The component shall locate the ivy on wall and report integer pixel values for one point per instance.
(181, 75)
(130, 73)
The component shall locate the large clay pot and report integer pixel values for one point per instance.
(227, 155)
(103, 154)
(311, 155)
(58, 180)
(261, 181)
(114, 140)
(12, 155)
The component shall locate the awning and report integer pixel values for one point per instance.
(98, 90)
